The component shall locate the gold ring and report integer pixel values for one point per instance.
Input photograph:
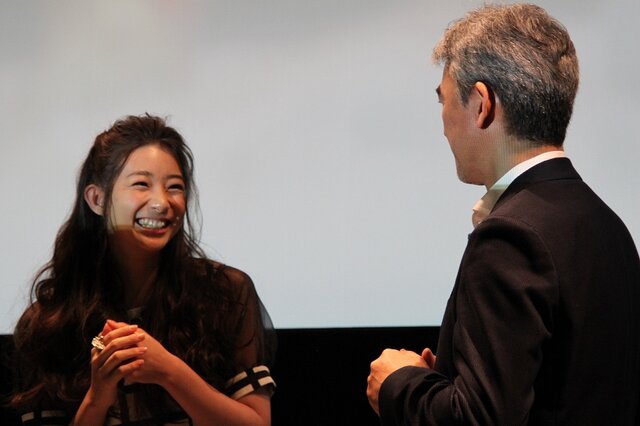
(98, 342)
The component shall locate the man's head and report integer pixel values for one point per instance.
(525, 57)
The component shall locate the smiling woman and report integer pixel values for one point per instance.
(176, 337)
(147, 203)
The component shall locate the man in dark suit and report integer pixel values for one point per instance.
(543, 324)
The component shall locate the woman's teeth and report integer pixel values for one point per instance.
(151, 223)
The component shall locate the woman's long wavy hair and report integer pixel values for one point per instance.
(80, 287)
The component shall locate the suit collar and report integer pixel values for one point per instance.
(554, 169)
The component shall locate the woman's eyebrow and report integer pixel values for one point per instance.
(149, 174)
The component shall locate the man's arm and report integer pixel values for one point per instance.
(506, 293)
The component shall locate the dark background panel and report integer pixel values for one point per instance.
(321, 373)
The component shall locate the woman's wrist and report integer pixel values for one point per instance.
(92, 409)
(173, 371)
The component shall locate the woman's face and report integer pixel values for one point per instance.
(148, 201)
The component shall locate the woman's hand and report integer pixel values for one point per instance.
(121, 357)
(157, 365)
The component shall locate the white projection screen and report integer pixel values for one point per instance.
(320, 159)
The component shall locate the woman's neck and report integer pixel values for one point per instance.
(139, 273)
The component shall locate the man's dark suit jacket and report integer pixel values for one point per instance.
(543, 324)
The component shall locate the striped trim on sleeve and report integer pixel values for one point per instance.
(249, 381)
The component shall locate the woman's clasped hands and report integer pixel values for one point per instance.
(129, 353)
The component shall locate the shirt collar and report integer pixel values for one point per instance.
(484, 206)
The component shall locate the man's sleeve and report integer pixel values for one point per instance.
(503, 307)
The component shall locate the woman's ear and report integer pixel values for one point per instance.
(486, 105)
(94, 196)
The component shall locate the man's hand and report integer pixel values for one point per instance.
(429, 357)
(390, 361)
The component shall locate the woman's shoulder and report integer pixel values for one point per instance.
(234, 275)
(220, 273)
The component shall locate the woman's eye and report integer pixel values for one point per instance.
(176, 187)
(141, 183)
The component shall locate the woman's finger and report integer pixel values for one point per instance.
(118, 333)
(115, 363)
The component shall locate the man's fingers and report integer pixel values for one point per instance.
(429, 357)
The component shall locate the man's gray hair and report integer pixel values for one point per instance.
(525, 56)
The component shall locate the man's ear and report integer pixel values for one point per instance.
(94, 196)
(486, 104)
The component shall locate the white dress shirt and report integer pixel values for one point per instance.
(484, 206)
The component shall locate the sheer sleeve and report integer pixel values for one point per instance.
(44, 411)
(255, 345)
(34, 399)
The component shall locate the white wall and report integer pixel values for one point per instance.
(320, 158)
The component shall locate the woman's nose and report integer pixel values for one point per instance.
(159, 203)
